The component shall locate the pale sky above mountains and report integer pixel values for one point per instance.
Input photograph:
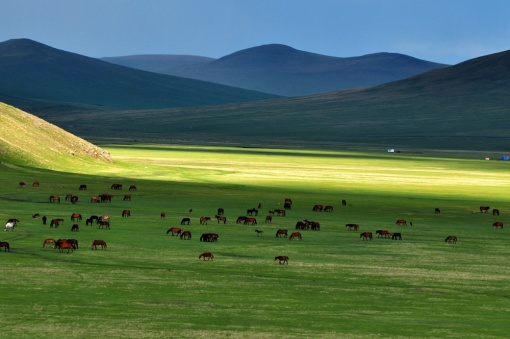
(445, 31)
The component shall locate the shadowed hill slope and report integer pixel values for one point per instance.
(286, 71)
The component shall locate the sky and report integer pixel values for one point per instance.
(444, 31)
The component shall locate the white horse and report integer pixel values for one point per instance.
(9, 226)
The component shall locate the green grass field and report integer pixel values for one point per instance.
(148, 284)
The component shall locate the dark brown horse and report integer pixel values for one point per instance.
(240, 219)
(382, 233)
(282, 232)
(295, 235)
(250, 221)
(352, 227)
(495, 211)
(209, 237)
(269, 218)
(163, 215)
(366, 235)
(318, 208)
(280, 212)
(54, 198)
(401, 222)
(76, 217)
(126, 213)
(282, 259)
(75, 228)
(344, 202)
(451, 239)
(104, 224)
(206, 255)
(484, 209)
(221, 218)
(252, 211)
(56, 222)
(116, 186)
(498, 224)
(328, 208)
(127, 197)
(186, 235)
(132, 188)
(22, 184)
(204, 220)
(396, 236)
(315, 226)
(185, 221)
(6, 245)
(74, 243)
(96, 243)
(48, 241)
(174, 230)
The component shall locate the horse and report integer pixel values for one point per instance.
(221, 218)
(282, 259)
(104, 224)
(396, 236)
(315, 226)
(185, 221)
(209, 237)
(95, 199)
(280, 213)
(48, 241)
(498, 224)
(35, 184)
(382, 233)
(105, 197)
(318, 208)
(54, 198)
(484, 209)
(96, 243)
(174, 231)
(281, 232)
(300, 225)
(74, 199)
(56, 222)
(437, 211)
(163, 215)
(36, 216)
(495, 211)
(451, 239)
(82, 187)
(366, 235)
(204, 220)
(221, 211)
(287, 206)
(295, 235)
(401, 222)
(94, 217)
(259, 233)
(186, 235)
(74, 243)
(240, 219)
(127, 197)
(6, 245)
(205, 255)
(116, 186)
(75, 228)
(76, 216)
(352, 227)
(269, 218)
(126, 213)
(250, 221)
(328, 208)
(15, 221)
(65, 245)
(132, 188)
(252, 212)
(22, 184)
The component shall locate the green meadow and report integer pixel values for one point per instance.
(149, 284)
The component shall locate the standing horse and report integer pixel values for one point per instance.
(318, 208)
(22, 184)
(54, 198)
(282, 232)
(495, 211)
(252, 211)
(48, 241)
(204, 220)
(127, 197)
(451, 239)
(6, 245)
(401, 222)
(186, 235)
(396, 236)
(269, 218)
(185, 221)
(498, 224)
(221, 211)
(35, 184)
(132, 188)
(382, 233)
(250, 221)
(65, 245)
(366, 235)
(484, 209)
(75, 228)
(437, 211)
(282, 259)
(162, 215)
(205, 255)
(221, 218)
(82, 187)
(126, 213)
(295, 235)
(56, 223)
(174, 230)
(352, 227)
(96, 243)
(259, 233)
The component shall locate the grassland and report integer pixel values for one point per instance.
(151, 285)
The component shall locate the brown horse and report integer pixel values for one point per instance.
(65, 245)
(76, 217)
(221, 218)
(48, 241)
(259, 233)
(328, 208)
(116, 186)
(35, 184)
(174, 230)
(54, 198)
(282, 259)
(250, 221)
(127, 197)
(74, 199)
(498, 224)
(352, 227)
(240, 219)
(282, 232)
(104, 224)
(382, 233)
(484, 209)
(126, 213)
(269, 218)
(132, 188)
(396, 236)
(186, 235)
(185, 221)
(163, 215)
(315, 226)
(401, 222)
(95, 199)
(209, 237)
(495, 211)
(205, 255)
(96, 243)
(318, 208)
(73, 242)
(204, 220)
(6, 245)
(366, 235)
(22, 184)
(56, 223)
(36, 216)
(280, 213)
(451, 239)
(295, 235)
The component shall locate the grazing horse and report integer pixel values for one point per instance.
(74, 243)
(344, 202)
(396, 236)
(288, 203)
(295, 235)
(65, 245)
(252, 212)
(15, 221)
(484, 209)
(318, 208)
(48, 241)
(35, 184)
(205, 255)
(282, 259)
(6, 245)
(366, 235)
(328, 208)
(209, 237)
(56, 222)
(280, 213)
(221, 218)
(88, 222)
(315, 226)
(54, 198)
(82, 187)
(437, 211)
(163, 215)
(127, 197)
(132, 188)
(116, 186)
(250, 221)
(495, 211)
(36, 216)
(352, 227)
(174, 231)
(382, 233)
(185, 221)
(451, 239)
(126, 213)
(95, 199)
(75, 228)
(221, 211)
(259, 233)
(497, 224)
(76, 217)
(204, 220)
(105, 197)
(281, 232)
(104, 224)
(96, 243)
(74, 199)
(22, 184)
(240, 219)
(186, 235)
(269, 218)
(401, 222)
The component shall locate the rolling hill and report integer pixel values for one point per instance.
(39, 78)
(283, 70)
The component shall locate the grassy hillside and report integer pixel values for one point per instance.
(28, 141)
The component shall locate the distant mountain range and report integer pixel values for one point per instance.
(36, 77)
(282, 70)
